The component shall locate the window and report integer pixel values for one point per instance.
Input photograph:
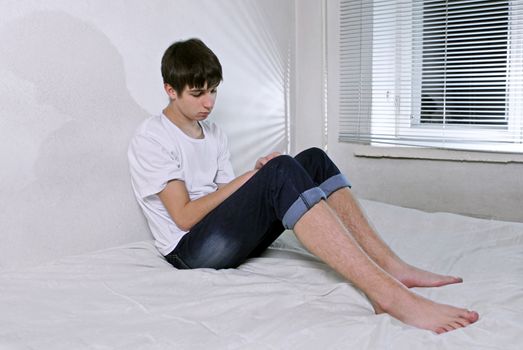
(432, 73)
(464, 59)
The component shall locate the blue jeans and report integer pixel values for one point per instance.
(247, 222)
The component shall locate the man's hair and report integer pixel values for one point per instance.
(190, 63)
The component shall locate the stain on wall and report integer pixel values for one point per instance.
(69, 135)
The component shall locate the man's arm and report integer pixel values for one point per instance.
(186, 213)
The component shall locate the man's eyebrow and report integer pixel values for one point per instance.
(201, 89)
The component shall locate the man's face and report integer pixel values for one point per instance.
(196, 103)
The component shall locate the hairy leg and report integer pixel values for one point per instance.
(323, 234)
(352, 216)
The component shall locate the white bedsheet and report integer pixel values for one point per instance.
(130, 298)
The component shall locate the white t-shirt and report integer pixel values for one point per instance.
(160, 152)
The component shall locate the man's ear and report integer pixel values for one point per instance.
(170, 91)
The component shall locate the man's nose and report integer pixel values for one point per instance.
(208, 101)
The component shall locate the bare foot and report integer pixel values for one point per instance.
(412, 276)
(417, 311)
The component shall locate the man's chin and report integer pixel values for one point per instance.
(202, 116)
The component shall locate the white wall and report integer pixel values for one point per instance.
(309, 104)
(76, 78)
(489, 186)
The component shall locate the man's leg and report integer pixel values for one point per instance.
(247, 222)
(347, 208)
(323, 234)
(327, 176)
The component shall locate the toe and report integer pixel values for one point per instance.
(463, 322)
(458, 279)
(440, 330)
(472, 316)
(448, 328)
(457, 324)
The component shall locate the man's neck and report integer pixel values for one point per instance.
(189, 127)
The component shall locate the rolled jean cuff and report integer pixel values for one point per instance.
(305, 201)
(334, 183)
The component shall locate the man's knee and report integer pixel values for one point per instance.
(284, 165)
(292, 190)
(314, 159)
(313, 153)
(316, 152)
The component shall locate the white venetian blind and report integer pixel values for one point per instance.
(432, 73)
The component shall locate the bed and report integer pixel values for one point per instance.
(129, 297)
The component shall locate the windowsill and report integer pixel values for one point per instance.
(435, 154)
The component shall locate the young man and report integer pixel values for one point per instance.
(202, 216)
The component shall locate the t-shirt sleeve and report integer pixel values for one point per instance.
(225, 173)
(152, 165)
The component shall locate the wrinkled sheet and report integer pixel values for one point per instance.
(130, 298)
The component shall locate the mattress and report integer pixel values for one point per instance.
(129, 297)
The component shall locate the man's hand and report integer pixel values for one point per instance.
(263, 160)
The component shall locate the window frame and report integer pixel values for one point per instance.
(447, 136)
